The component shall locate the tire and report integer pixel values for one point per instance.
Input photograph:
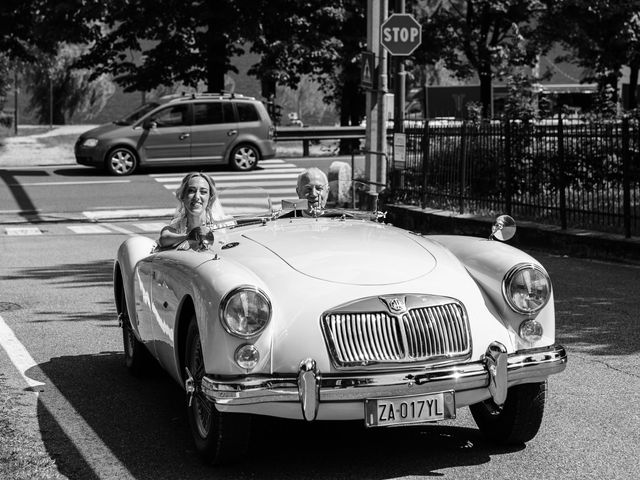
(121, 161)
(220, 438)
(244, 158)
(520, 418)
(136, 356)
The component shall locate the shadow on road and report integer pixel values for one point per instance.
(601, 324)
(82, 171)
(98, 273)
(143, 423)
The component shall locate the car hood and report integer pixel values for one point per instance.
(351, 252)
(102, 130)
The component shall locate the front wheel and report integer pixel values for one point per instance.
(121, 161)
(519, 419)
(244, 158)
(219, 437)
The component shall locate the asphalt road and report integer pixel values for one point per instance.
(96, 421)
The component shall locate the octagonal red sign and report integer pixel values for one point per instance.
(400, 34)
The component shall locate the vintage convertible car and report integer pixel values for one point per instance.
(340, 316)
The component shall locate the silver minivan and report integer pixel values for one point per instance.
(195, 129)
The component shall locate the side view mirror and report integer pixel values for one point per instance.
(149, 124)
(503, 229)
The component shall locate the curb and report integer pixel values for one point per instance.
(572, 242)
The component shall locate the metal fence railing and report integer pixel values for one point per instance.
(575, 173)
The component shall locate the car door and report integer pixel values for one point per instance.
(214, 129)
(169, 138)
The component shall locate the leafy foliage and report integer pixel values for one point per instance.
(481, 36)
(601, 35)
(59, 91)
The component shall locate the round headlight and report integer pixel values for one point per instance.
(90, 142)
(247, 356)
(526, 288)
(245, 311)
(531, 331)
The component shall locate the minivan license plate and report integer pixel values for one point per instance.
(388, 411)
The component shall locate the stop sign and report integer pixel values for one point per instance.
(400, 34)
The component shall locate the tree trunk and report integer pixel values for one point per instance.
(633, 85)
(216, 48)
(351, 111)
(485, 93)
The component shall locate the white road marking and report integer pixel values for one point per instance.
(148, 212)
(47, 184)
(84, 438)
(118, 229)
(88, 229)
(16, 352)
(23, 231)
(150, 226)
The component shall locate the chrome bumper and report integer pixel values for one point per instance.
(497, 371)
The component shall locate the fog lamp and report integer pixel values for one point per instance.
(247, 356)
(531, 330)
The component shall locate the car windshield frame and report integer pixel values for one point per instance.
(137, 114)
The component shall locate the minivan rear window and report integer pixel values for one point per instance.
(247, 112)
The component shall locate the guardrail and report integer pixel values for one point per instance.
(307, 134)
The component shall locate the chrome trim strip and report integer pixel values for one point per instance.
(521, 366)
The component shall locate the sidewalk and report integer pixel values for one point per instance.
(40, 149)
(573, 242)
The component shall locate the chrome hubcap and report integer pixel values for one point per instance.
(122, 162)
(245, 158)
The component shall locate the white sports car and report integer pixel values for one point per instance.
(338, 316)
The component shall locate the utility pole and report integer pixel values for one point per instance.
(376, 132)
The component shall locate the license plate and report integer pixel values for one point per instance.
(389, 411)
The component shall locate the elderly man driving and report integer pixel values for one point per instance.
(314, 186)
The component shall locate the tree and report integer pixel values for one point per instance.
(320, 38)
(601, 36)
(144, 44)
(477, 35)
(58, 91)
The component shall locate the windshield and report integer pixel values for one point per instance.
(137, 114)
(351, 198)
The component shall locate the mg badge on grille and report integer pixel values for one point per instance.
(395, 304)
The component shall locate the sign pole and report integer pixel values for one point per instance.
(375, 165)
(399, 87)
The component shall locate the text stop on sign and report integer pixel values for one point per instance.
(400, 34)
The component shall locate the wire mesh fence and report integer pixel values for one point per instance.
(574, 173)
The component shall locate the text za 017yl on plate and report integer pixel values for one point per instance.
(433, 407)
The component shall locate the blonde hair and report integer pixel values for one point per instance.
(181, 193)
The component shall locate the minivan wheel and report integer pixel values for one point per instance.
(121, 161)
(244, 158)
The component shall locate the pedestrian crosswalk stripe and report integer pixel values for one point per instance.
(23, 231)
(150, 226)
(128, 213)
(88, 229)
(273, 178)
(118, 229)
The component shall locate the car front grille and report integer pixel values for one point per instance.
(415, 335)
